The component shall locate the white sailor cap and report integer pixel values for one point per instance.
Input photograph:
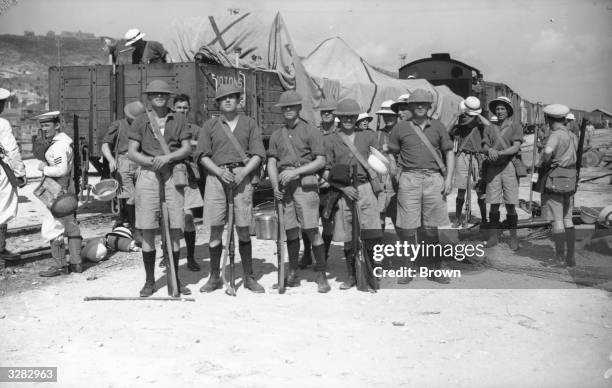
(4, 94)
(49, 116)
(557, 111)
(570, 116)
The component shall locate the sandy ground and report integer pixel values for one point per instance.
(489, 328)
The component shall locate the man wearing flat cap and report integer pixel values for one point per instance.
(145, 51)
(158, 141)
(58, 164)
(558, 171)
(230, 147)
(115, 151)
(502, 142)
(12, 164)
(296, 153)
(327, 127)
(425, 180)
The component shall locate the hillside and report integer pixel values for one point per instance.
(25, 61)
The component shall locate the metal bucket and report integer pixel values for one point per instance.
(264, 224)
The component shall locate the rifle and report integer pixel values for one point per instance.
(533, 162)
(76, 155)
(468, 199)
(580, 151)
(280, 249)
(173, 289)
(361, 264)
(230, 288)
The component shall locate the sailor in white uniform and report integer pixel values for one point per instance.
(11, 164)
(58, 165)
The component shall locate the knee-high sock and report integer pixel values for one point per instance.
(190, 243)
(327, 240)
(245, 248)
(307, 244)
(319, 256)
(215, 258)
(293, 251)
(148, 259)
(459, 201)
(482, 205)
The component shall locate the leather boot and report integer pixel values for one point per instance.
(4, 253)
(214, 281)
(293, 280)
(512, 224)
(570, 235)
(55, 271)
(322, 284)
(350, 269)
(251, 284)
(493, 229)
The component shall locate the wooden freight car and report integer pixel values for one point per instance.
(97, 94)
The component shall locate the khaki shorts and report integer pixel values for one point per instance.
(193, 197)
(462, 165)
(301, 206)
(558, 209)
(369, 217)
(148, 211)
(128, 172)
(502, 184)
(420, 195)
(215, 202)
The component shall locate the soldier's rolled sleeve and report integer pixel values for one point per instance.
(517, 133)
(256, 146)
(273, 146)
(204, 147)
(445, 142)
(137, 128)
(111, 134)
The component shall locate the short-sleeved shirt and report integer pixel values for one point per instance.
(509, 130)
(214, 143)
(152, 52)
(337, 152)
(307, 142)
(175, 131)
(474, 142)
(413, 154)
(117, 136)
(564, 145)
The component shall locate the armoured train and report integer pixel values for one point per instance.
(465, 80)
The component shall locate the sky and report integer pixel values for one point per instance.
(545, 50)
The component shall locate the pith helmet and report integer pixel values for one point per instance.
(158, 86)
(348, 107)
(289, 98)
(326, 105)
(504, 101)
(227, 90)
(420, 95)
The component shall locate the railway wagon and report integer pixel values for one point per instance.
(98, 93)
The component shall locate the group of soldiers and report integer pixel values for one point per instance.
(320, 175)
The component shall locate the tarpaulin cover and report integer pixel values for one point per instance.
(333, 60)
(332, 70)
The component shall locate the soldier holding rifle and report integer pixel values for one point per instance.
(231, 149)
(296, 153)
(151, 136)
